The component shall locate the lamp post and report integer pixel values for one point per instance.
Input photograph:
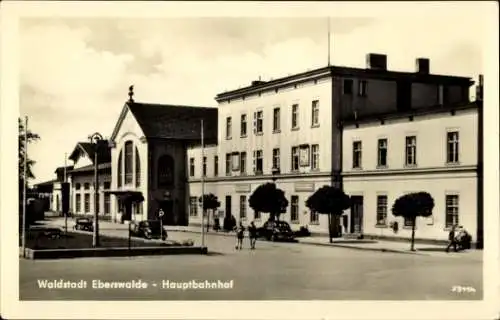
(96, 138)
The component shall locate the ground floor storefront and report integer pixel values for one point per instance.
(234, 200)
(455, 202)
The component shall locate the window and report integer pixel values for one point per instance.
(87, 203)
(411, 151)
(256, 215)
(314, 217)
(362, 85)
(243, 127)
(260, 122)
(315, 157)
(107, 185)
(295, 158)
(137, 168)
(128, 162)
(258, 162)
(193, 207)
(107, 203)
(138, 208)
(228, 164)
(451, 210)
(408, 222)
(243, 163)
(77, 186)
(356, 154)
(86, 186)
(235, 161)
(166, 170)
(120, 177)
(382, 153)
(276, 158)
(228, 128)
(295, 116)
(452, 147)
(78, 203)
(276, 120)
(191, 167)
(381, 210)
(243, 207)
(294, 209)
(216, 166)
(204, 166)
(315, 113)
(348, 84)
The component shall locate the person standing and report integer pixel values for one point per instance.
(252, 233)
(452, 239)
(240, 233)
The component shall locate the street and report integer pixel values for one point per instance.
(272, 271)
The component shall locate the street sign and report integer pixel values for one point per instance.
(161, 213)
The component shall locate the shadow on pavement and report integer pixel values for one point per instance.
(215, 253)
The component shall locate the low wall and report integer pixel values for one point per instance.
(110, 252)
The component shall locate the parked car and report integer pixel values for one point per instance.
(149, 229)
(84, 224)
(276, 231)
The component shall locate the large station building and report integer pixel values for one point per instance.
(375, 133)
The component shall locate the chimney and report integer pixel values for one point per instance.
(422, 65)
(376, 61)
(479, 89)
(257, 82)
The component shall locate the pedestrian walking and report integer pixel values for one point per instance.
(240, 233)
(452, 239)
(252, 234)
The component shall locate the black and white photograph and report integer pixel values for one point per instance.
(254, 160)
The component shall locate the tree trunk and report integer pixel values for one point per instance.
(330, 227)
(208, 220)
(412, 248)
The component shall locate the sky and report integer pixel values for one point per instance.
(75, 72)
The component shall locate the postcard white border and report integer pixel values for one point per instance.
(12, 308)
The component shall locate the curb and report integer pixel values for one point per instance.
(325, 244)
(363, 248)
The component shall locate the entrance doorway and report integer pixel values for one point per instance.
(228, 207)
(356, 214)
(168, 209)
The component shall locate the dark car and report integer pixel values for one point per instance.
(276, 231)
(149, 229)
(84, 224)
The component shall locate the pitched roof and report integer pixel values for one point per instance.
(89, 148)
(90, 168)
(175, 121)
(45, 183)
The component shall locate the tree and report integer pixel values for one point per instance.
(331, 201)
(268, 198)
(210, 203)
(22, 143)
(412, 205)
(31, 137)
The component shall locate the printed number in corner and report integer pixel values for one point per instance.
(463, 289)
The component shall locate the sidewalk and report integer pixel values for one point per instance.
(368, 245)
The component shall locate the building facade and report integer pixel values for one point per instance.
(433, 151)
(81, 178)
(292, 130)
(148, 158)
